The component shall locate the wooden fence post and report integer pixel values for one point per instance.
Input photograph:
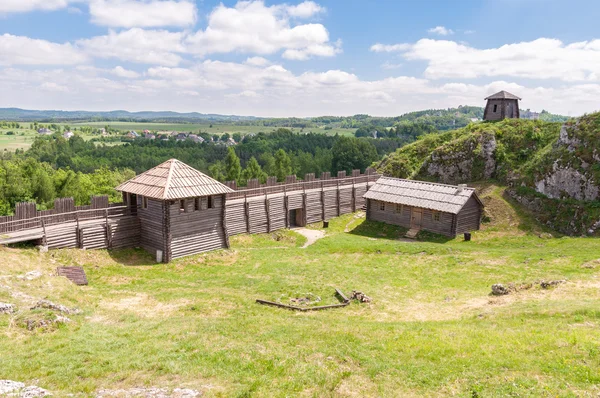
(247, 212)
(268, 214)
(224, 215)
(338, 198)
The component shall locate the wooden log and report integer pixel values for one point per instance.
(291, 307)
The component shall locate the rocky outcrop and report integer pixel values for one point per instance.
(566, 182)
(463, 161)
(571, 175)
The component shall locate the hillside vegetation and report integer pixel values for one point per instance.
(552, 169)
(432, 328)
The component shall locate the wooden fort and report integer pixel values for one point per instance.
(444, 209)
(502, 105)
(181, 210)
(174, 210)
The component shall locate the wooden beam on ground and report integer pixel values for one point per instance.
(74, 274)
(291, 307)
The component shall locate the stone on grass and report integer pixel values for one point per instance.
(6, 308)
(499, 289)
(11, 388)
(55, 307)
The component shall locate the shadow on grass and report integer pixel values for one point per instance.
(376, 229)
(132, 257)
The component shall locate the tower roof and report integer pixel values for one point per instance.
(173, 180)
(503, 95)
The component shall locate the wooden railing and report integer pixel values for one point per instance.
(285, 187)
(77, 216)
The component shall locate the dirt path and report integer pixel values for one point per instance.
(311, 235)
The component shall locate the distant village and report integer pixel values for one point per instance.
(224, 139)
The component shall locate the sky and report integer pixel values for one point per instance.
(298, 58)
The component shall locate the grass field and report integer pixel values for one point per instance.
(431, 330)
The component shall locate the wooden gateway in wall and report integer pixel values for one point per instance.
(443, 209)
(181, 210)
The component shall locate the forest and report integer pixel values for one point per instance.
(58, 167)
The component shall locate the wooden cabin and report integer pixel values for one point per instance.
(443, 209)
(181, 210)
(502, 105)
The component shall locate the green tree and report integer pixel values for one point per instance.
(253, 170)
(232, 165)
(283, 165)
(350, 153)
(217, 171)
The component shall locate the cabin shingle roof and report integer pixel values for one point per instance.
(173, 180)
(503, 95)
(427, 195)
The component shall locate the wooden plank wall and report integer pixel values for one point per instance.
(403, 218)
(469, 218)
(196, 230)
(321, 200)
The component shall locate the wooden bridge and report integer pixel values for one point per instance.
(98, 225)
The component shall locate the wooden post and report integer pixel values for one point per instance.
(78, 233)
(247, 212)
(107, 230)
(353, 196)
(304, 209)
(167, 231)
(44, 238)
(322, 202)
(286, 206)
(268, 214)
(224, 215)
(338, 198)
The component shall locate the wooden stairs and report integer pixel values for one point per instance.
(412, 233)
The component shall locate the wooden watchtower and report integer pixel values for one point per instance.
(502, 105)
(181, 210)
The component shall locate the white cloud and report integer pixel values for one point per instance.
(389, 48)
(305, 9)
(538, 59)
(122, 72)
(441, 30)
(10, 6)
(241, 88)
(51, 86)
(158, 47)
(253, 27)
(144, 13)
(21, 50)
(257, 61)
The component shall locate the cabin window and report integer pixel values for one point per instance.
(435, 216)
(495, 108)
(196, 204)
(210, 202)
(382, 206)
(398, 209)
(144, 202)
(182, 205)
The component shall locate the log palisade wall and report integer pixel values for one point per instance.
(179, 228)
(260, 210)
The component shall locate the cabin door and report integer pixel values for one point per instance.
(416, 218)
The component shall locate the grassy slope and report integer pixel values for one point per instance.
(431, 330)
(518, 141)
